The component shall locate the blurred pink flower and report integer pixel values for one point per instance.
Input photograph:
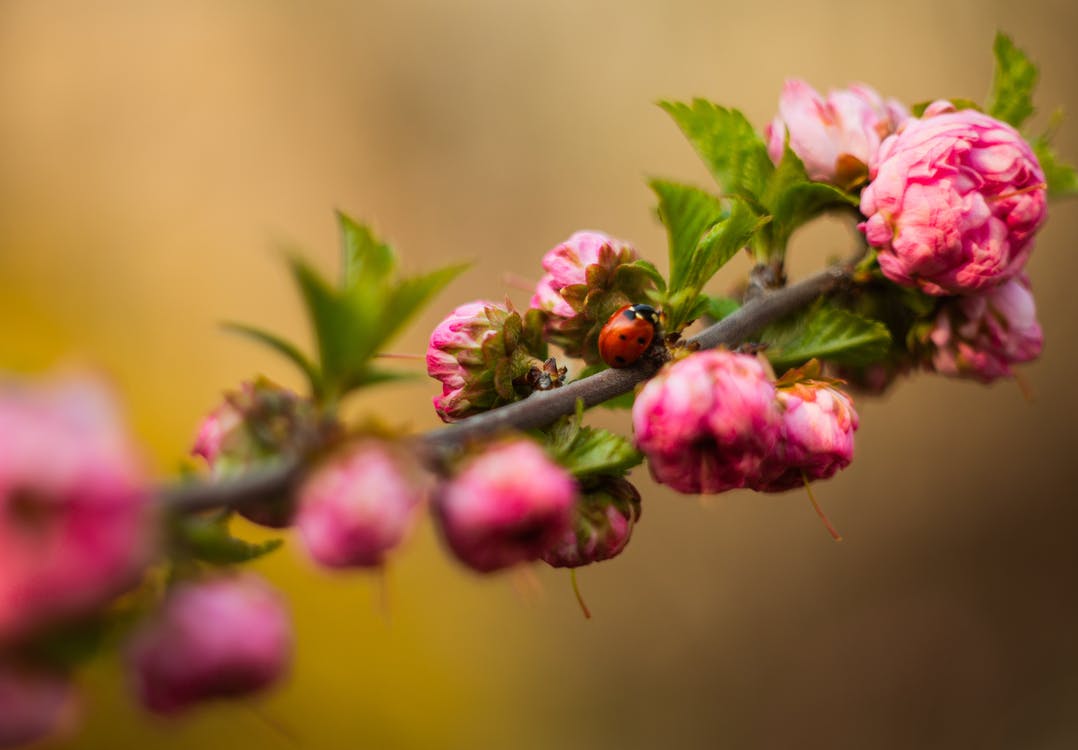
(815, 436)
(222, 637)
(74, 520)
(953, 203)
(567, 265)
(707, 422)
(602, 523)
(837, 137)
(33, 704)
(356, 507)
(508, 505)
(980, 337)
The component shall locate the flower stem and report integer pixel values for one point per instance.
(579, 597)
(819, 511)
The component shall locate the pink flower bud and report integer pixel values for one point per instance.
(567, 265)
(707, 422)
(981, 337)
(74, 516)
(954, 202)
(602, 524)
(259, 424)
(508, 505)
(458, 358)
(356, 507)
(815, 436)
(33, 705)
(216, 638)
(836, 138)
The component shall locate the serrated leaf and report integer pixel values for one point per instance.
(209, 541)
(600, 452)
(718, 245)
(722, 242)
(338, 328)
(828, 333)
(730, 147)
(645, 269)
(281, 346)
(364, 257)
(792, 200)
(686, 212)
(1011, 97)
(1061, 177)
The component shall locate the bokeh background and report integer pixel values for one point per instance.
(155, 157)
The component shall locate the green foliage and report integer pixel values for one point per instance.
(703, 237)
(588, 452)
(354, 319)
(1061, 177)
(791, 199)
(718, 308)
(207, 539)
(728, 144)
(762, 205)
(828, 333)
(1011, 97)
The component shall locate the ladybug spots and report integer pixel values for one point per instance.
(627, 335)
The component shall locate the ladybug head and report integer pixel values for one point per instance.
(646, 312)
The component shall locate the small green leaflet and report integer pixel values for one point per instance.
(356, 318)
(1011, 97)
(686, 212)
(208, 540)
(792, 200)
(827, 333)
(589, 451)
(1061, 177)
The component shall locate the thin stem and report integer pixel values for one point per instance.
(579, 596)
(537, 410)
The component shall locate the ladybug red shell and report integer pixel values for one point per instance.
(627, 334)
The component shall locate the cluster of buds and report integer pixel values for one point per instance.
(952, 200)
(716, 421)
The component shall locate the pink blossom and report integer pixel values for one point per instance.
(456, 357)
(837, 137)
(601, 526)
(815, 436)
(707, 422)
(508, 505)
(73, 504)
(954, 202)
(222, 637)
(567, 265)
(981, 337)
(356, 507)
(33, 704)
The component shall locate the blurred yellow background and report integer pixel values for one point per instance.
(154, 157)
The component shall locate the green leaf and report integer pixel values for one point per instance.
(337, 328)
(1011, 97)
(825, 332)
(792, 200)
(1061, 177)
(280, 345)
(722, 242)
(728, 144)
(647, 270)
(363, 257)
(409, 296)
(208, 540)
(714, 249)
(589, 451)
(686, 212)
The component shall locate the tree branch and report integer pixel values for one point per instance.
(537, 410)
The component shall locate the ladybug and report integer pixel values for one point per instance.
(627, 334)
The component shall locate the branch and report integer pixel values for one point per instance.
(537, 410)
